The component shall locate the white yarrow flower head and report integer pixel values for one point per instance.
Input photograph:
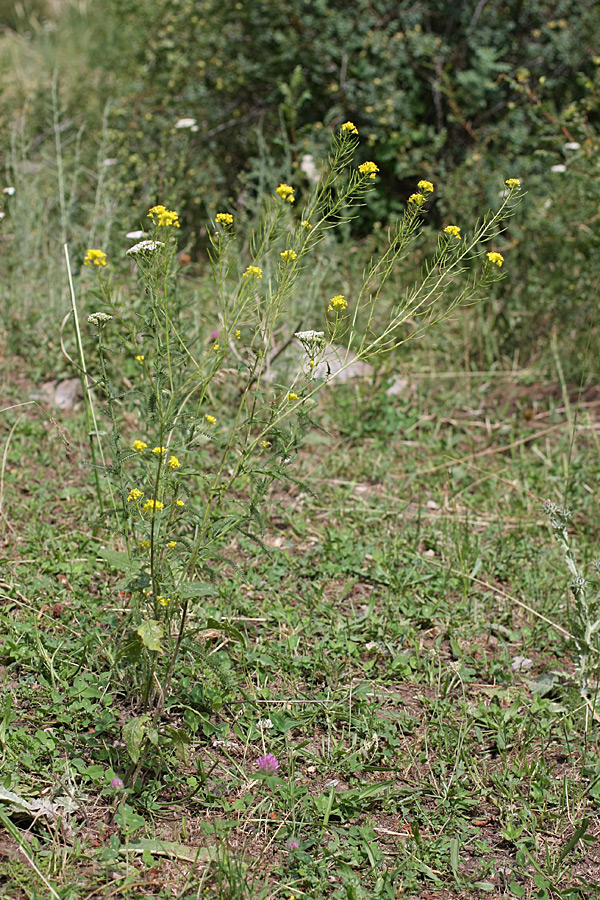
(185, 123)
(313, 343)
(2, 215)
(99, 319)
(135, 235)
(145, 247)
(9, 191)
(572, 145)
(558, 168)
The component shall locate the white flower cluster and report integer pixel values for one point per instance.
(144, 247)
(99, 319)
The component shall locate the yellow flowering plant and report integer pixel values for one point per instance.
(214, 429)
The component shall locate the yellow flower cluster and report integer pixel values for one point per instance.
(495, 258)
(140, 446)
(95, 258)
(350, 127)
(159, 450)
(179, 503)
(140, 358)
(512, 183)
(368, 168)
(306, 224)
(453, 231)
(292, 396)
(153, 505)
(164, 601)
(216, 346)
(265, 444)
(425, 186)
(145, 544)
(337, 303)
(224, 219)
(171, 545)
(163, 217)
(417, 199)
(210, 419)
(288, 255)
(238, 334)
(253, 270)
(135, 494)
(286, 192)
(174, 463)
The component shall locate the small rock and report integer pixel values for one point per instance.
(521, 664)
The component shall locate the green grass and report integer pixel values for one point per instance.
(372, 651)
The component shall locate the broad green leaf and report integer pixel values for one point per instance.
(133, 734)
(120, 561)
(151, 633)
(181, 742)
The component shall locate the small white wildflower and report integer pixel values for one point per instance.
(9, 191)
(264, 723)
(99, 319)
(572, 145)
(135, 235)
(185, 123)
(144, 247)
(558, 168)
(2, 215)
(310, 336)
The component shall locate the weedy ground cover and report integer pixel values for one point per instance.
(266, 634)
(402, 651)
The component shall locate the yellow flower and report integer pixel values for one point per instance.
(350, 127)
(135, 494)
(163, 217)
(216, 346)
(337, 303)
(253, 270)
(145, 544)
(164, 601)
(286, 192)
(453, 230)
(159, 450)
(224, 219)
(179, 503)
(288, 255)
(418, 199)
(171, 545)
(496, 258)
(292, 396)
(512, 183)
(140, 446)
(94, 258)
(210, 419)
(153, 505)
(265, 444)
(174, 463)
(425, 186)
(306, 224)
(140, 358)
(368, 168)
(238, 334)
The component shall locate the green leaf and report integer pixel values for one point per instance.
(166, 848)
(231, 630)
(151, 633)
(133, 734)
(181, 742)
(196, 589)
(120, 561)
(577, 836)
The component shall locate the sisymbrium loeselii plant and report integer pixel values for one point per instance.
(214, 431)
